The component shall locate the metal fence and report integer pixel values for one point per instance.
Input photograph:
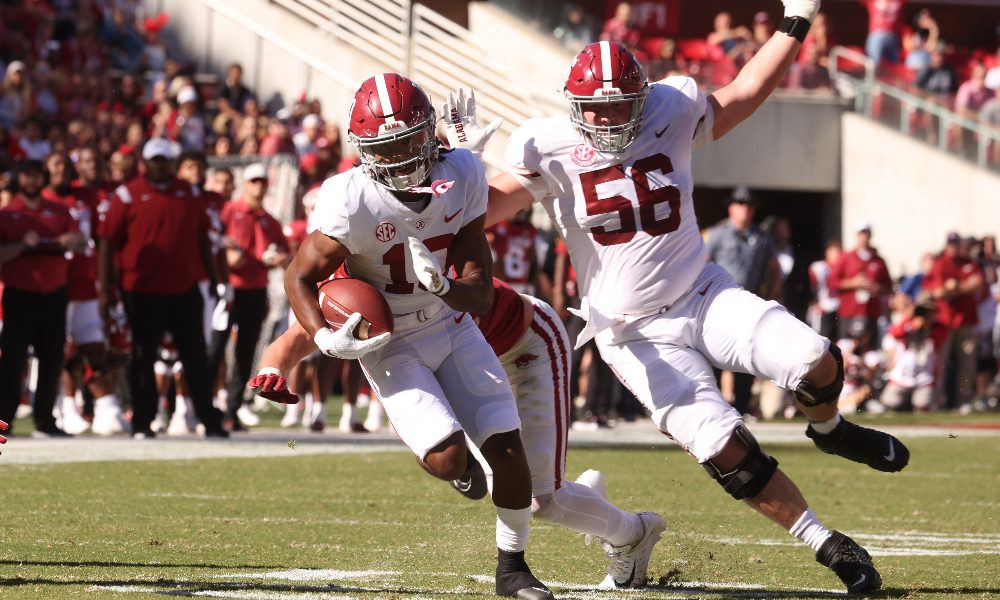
(889, 99)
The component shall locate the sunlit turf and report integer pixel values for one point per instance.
(226, 527)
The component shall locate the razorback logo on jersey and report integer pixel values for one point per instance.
(441, 186)
(525, 359)
(583, 155)
(385, 231)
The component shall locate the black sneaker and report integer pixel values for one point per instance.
(850, 562)
(472, 483)
(514, 578)
(871, 447)
(49, 431)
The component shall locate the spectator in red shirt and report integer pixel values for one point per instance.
(34, 237)
(84, 325)
(861, 280)
(955, 282)
(160, 233)
(620, 28)
(255, 244)
(885, 22)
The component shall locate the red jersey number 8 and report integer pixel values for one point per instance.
(648, 201)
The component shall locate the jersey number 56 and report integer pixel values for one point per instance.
(648, 201)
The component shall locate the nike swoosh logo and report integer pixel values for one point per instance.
(662, 131)
(889, 457)
(459, 318)
(448, 218)
(702, 292)
(860, 580)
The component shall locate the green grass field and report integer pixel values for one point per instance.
(372, 525)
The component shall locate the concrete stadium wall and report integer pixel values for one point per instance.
(911, 193)
(792, 142)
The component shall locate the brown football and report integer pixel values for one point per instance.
(339, 298)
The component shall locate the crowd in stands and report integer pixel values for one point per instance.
(909, 47)
(92, 99)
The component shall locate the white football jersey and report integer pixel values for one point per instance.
(627, 218)
(373, 225)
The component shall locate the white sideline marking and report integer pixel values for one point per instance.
(930, 543)
(311, 575)
(23, 451)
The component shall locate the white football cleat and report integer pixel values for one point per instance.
(184, 420)
(293, 412)
(69, 418)
(627, 564)
(374, 420)
(108, 419)
(247, 417)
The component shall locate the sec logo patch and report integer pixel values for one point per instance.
(385, 231)
(583, 155)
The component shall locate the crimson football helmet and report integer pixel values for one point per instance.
(603, 75)
(392, 126)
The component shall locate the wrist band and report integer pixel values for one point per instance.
(796, 27)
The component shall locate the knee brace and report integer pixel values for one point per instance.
(751, 475)
(543, 506)
(810, 395)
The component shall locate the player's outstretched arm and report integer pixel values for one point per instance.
(507, 197)
(733, 103)
(279, 358)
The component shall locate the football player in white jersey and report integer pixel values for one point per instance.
(615, 176)
(393, 222)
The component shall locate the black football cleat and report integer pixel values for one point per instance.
(871, 447)
(850, 562)
(514, 578)
(472, 483)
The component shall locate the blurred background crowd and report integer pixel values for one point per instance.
(91, 97)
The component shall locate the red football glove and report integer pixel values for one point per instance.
(269, 383)
(3, 427)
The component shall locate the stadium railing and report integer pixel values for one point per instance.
(887, 97)
(432, 50)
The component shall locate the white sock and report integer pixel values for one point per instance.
(106, 402)
(181, 405)
(69, 403)
(512, 528)
(810, 530)
(347, 415)
(373, 422)
(581, 509)
(825, 427)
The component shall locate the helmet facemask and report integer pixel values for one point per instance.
(608, 138)
(399, 158)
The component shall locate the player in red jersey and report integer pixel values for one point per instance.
(87, 359)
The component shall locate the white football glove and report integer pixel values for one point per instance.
(460, 125)
(341, 343)
(806, 9)
(428, 269)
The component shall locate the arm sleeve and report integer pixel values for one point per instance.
(478, 189)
